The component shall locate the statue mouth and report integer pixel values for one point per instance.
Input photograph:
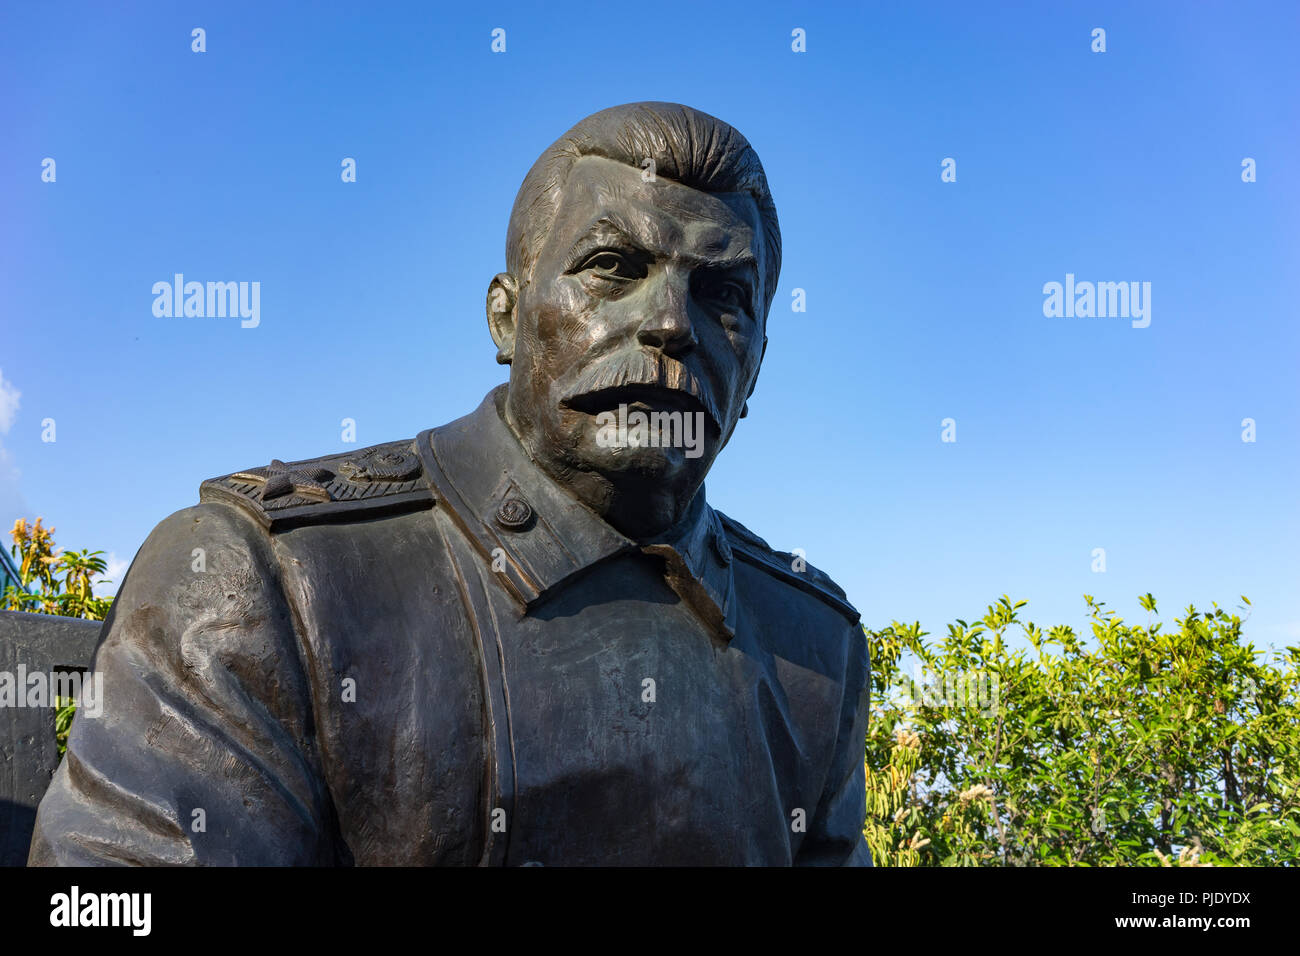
(645, 398)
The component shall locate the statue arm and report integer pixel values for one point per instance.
(835, 832)
(204, 752)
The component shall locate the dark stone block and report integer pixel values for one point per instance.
(28, 753)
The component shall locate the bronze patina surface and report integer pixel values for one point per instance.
(523, 637)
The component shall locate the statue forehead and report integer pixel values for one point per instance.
(674, 215)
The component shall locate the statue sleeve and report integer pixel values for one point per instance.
(203, 750)
(835, 832)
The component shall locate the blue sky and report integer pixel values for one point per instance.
(924, 298)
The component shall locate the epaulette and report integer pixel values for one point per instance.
(340, 487)
(754, 550)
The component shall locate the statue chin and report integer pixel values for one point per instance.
(644, 454)
(659, 465)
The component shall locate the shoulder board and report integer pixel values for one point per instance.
(339, 487)
(754, 550)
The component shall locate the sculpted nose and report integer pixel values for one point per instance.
(668, 325)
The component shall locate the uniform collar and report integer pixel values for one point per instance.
(538, 538)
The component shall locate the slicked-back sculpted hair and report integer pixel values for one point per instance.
(687, 146)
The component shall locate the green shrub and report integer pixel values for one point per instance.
(1144, 747)
(39, 563)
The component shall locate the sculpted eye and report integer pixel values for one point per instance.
(732, 292)
(610, 264)
(727, 293)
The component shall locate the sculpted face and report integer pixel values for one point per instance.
(647, 295)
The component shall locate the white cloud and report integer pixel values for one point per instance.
(8, 404)
(12, 503)
(113, 576)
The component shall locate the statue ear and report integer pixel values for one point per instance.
(744, 409)
(501, 299)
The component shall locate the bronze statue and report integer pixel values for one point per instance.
(523, 637)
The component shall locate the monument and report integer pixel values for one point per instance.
(520, 638)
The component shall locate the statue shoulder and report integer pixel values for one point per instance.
(345, 486)
(790, 568)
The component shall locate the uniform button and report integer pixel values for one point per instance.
(514, 514)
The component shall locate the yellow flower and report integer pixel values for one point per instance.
(977, 792)
(908, 738)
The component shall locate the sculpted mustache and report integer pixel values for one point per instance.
(642, 368)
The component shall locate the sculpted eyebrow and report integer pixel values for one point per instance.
(606, 232)
(743, 267)
(603, 232)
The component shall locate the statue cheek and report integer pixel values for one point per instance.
(751, 357)
(745, 345)
(564, 310)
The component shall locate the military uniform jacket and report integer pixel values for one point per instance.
(427, 653)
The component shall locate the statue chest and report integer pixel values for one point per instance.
(606, 725)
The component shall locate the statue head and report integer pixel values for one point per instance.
(643, 252)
